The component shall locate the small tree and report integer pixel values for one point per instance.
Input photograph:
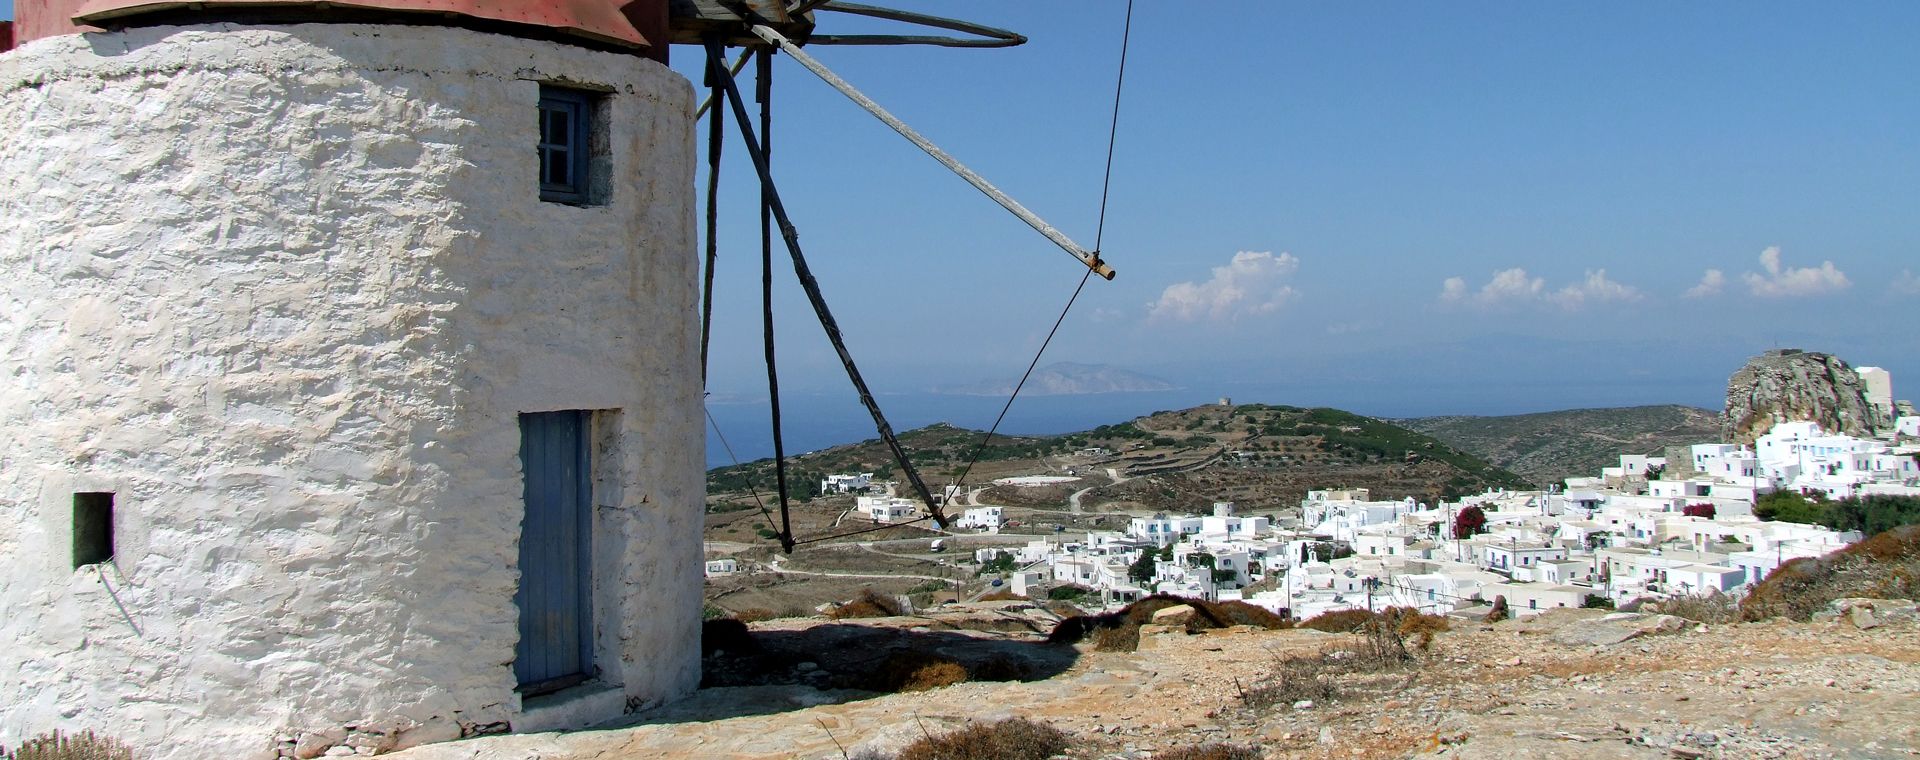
(1143, 569)
(1791, 506)
(1001, 563)
(1201, 559)
(1698, 510)
(1469, 522)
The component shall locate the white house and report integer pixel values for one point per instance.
(885, 509)
(1524, 599)
(989, 519)
(1506, 556)
(1699, 580)
(846, 483)
(1163, 530)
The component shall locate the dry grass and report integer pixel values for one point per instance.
(1003, 595)
(1339, 621)
(1292, 680)
(1120, 631)
(1886, 566)
(867, 605)
(1713, 608)
(1209, 752)
(1407, 624)
(1388, 641)
(1420, 627)
(1011, 739)
(755, 615)
(1122, 639)
(85, 745)
(914, 671)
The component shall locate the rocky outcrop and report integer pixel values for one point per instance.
(1790, 385)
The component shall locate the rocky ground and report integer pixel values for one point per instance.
(1541, 688)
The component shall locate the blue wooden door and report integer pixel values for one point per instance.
(556, 640)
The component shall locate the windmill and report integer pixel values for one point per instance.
(762, 28)
(313, 323)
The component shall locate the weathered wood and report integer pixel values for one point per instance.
(1089, 258)
(739, 64)
(903, 39)
(811, 286)
(993, 36)
(695, 22)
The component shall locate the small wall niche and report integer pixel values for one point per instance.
(92, 528)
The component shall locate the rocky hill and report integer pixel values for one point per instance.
(1789, 385)
(1551, 446)
(1262, 457)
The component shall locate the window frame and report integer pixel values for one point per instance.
(579, 105)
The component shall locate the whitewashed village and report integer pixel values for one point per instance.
(1653, 527)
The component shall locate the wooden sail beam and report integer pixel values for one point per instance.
(1090, 258)
(987, 36)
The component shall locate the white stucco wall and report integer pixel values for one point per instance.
(284, 291)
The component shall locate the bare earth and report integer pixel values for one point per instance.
(1762, 690)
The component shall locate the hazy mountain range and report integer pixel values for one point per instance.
(1550, 446)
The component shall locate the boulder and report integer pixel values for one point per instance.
(1151, 635)
(1178, 614)
(1615, 628)
(316, 743)
(1864, 613)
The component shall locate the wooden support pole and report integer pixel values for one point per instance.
(812, 288)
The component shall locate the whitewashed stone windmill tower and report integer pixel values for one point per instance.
(344, 401)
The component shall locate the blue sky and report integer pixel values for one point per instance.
(1477, 200)
(1462, 208)
(6, 10)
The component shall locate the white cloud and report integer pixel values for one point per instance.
(1596, 288)
(1710, 284)
(1782, 282)
(1253, 283)
(1511, 288)
(1906, 284)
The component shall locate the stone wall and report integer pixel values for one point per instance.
(283, 291)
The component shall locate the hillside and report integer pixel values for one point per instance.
(1551, 446)
(1262, 457)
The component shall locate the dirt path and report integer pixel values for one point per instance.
(775, 566)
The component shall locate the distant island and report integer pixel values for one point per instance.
(1066, 379)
